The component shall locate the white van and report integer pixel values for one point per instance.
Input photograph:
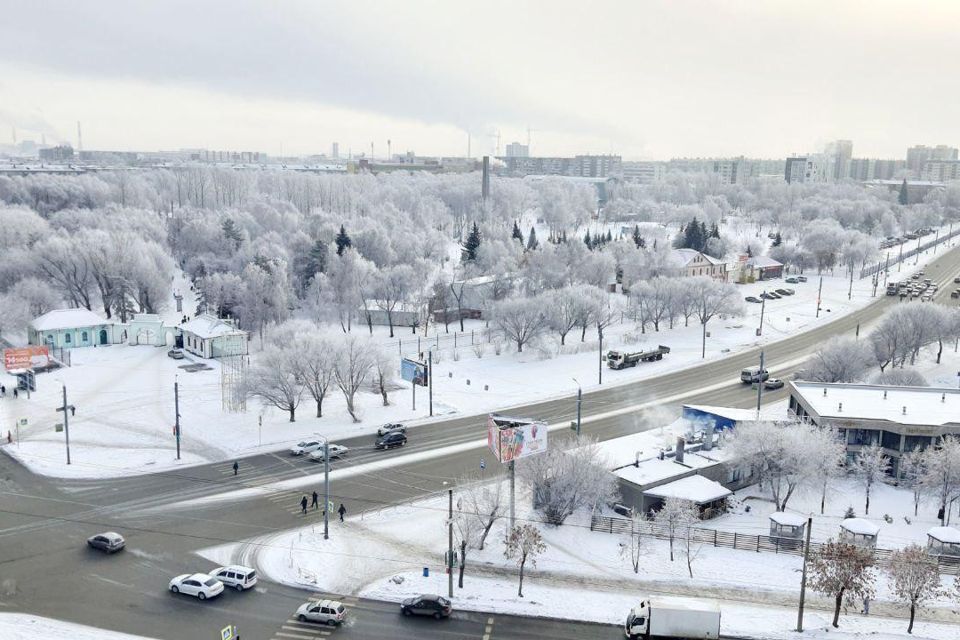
(236, 576)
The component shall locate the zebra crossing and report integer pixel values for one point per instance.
(294, 629)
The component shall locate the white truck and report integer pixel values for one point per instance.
(669, 617)
(622, 360)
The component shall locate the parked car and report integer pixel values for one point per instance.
(786, 292)
(336, 451)
(956, 280)
(753, 299)
(199, 585)
(774, 295)
(176, 354)
(801, 278)
(766, 296)
(306, 446)
(390, 427)
(236, 576)
(792, 280)
(328, 612)
(955, 293)
(108, 541)
(427, 605)
(773, 384)
(390, 440)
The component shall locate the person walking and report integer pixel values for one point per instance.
(303, 505)
(342, 510)
(315, 504)
(866, 606)
(236, 467)
(14, 392)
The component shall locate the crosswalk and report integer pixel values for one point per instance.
(293, 629)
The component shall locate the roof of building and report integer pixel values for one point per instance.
(67, 319)
(945, 534)
(791, 519)
(774, 413)
(901, 405)
(697, 489)
(860, 526)
(763, 262)
(686, 256)
(207, 326)
(656, 470)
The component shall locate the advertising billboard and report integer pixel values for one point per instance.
(514, 438)
(413, 371)
(26, 357)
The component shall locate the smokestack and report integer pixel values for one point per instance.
(680, 444)
(485, 190)
(79, 138)
(708, 439)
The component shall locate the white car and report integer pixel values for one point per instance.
(199, 585)
(336, 451)
(384, 429)
(328, 612)
(236, 576)
(307, 446)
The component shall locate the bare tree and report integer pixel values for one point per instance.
(393, 288)
(872, 464)
(676, 515)
(828, 453)
(900, 378)
(565, 308)
(521, 319)
(484, 500)
(911, 471)
(941, 472)
(632, 546)
(844, 572)
(384, 371)
(779, 454)
(467, 531)
(712, 298)
(840, 360)
(914, 578)
(524, 543)
(275, 380)
(355, 359)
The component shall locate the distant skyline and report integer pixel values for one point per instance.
(647, 79)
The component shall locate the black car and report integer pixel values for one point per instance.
(786, 292)
(427, 605)
(390, 440)
(801, 278)
(753, 299)
(791, 280)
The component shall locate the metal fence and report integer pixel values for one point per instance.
(883, 264)
(947, 565)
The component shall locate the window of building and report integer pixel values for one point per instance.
(67, 338)
(916, 442)
(890, 440)
(862, 436)
(83, 336)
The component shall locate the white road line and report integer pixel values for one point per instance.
(284, 634)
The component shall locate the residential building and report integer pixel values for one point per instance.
(840, 152)
(517, 150)
(940, 170)
(900, 419)
(815, 167)
(919, 154)
(211, 337)
(60, 153)
(690, 262)
(643, 172)
(577, 167)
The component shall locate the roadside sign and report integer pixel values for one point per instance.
(414, 371)
(227, 633)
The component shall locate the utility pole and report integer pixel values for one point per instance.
(600, 361)
(760, 385)
(900, 259)
(579, 402)
(763, 308)
(66, 408)
(430, 377)
(850, 290)
(917, 259)
(803, 578)
(326, 489)
(819, 291)
(413, 388)
(513, 495)
(176, 413)
(450, 545)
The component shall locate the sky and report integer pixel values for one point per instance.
(646, 79)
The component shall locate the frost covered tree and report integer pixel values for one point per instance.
(843, 572)
(712, 298)
(632, 546)
(828, 454)
(785, 457)
(900, 378)
(911, 473)
(914, 578)
(393, 287)
(840, 360)
(484, 500)
(871, 465)
(342, 241)
(384, 371)
(355, 358)
(524, 543)
(275, 379)
(566, 308)
(471, 245)
(466, 532)
(676, 515)
(941, 472)
(521, 319)
(570, 475)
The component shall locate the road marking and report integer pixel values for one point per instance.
(284, 634)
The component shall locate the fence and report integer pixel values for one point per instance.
(740, 541)
(880, 266)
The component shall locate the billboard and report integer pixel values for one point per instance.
(26, 357)
(413, 371)
(513, 438)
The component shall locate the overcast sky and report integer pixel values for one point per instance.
(642, 78)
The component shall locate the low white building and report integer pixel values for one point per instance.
(943, 541)
(69, 328)
(859, 531)
(690, 262)
(208, 336)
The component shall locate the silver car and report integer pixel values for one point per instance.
(108, 541)
(328, 612)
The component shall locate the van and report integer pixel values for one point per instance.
(751, 375)
(236, 576)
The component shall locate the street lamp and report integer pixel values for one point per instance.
(579, 402)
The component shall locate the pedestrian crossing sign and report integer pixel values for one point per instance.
(227, 632)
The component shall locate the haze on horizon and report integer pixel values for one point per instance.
(645, 79)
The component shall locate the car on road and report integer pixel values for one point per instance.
(955, 293)
(391, 427)
(786, 292)
(236, 576)
(391, 440)
(792, 280)
(801, 278)
(427, 605)
(307, 446)
(328, 612)
(753, 299)
(108, 541)
(956, 280)
(336, 451)
(176, 354)
(198, 585)
(773, 384)
(751, 375)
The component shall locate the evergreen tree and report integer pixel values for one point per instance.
(714, 231)
(609, 237)
(704, 236)
(693, 236)
(343, 241)
(532, 243)
(563, 236)
(587, 241)
(517, 234)
(904, 199)
(472, 244)
(315, 263)
(777, 240)
(232, 232)
(749, 252)
(637, 238)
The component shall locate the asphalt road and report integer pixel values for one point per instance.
(46, 569)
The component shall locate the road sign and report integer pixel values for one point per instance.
(227, 633)
(58, 427)
(483, 464)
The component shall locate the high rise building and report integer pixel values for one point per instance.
(839, 153)
(644, 171)
(815, 167)
(336, 151)
(578, 166)
(517, 150)
(917, 155)
(941, 170)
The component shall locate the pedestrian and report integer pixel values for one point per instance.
(342, 510)
(236, 467)
(3, 390)
(14, 392)
(303, 505)
(73, 411)
(866, 606)
(315, 504)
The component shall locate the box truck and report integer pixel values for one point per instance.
(669, 617)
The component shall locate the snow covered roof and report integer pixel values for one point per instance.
(772, 413)
(686, 256)
(790, 519)
(207, 326)
(924, 405)
(697, 489)
(67, 319)
(763, 262)
(945, 534)
(657, 470)
(860, 526)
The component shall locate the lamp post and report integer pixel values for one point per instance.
(579, 402)
(763, 307)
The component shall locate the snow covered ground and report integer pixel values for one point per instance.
(23, 626)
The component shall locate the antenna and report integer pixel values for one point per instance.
(79, 138)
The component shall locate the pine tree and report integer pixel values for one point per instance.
(904, 199)
(704, 235)
(563, 236)
(532, 243)
(692, 236)
(315, 263)
(609, 237)
(749, 251)
(637, 238)
(517, 234)
(472, 244)
(343, 241)
(714, 231)
(777, 240)
(231, 232)
(587, 241)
